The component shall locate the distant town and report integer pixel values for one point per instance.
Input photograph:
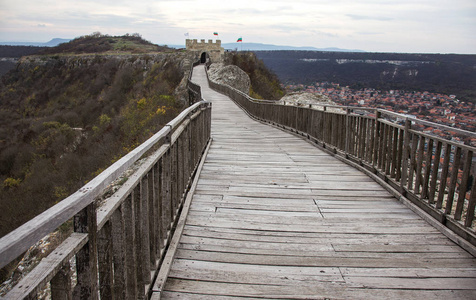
(434, 107)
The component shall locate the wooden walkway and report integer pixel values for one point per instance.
(275, 217)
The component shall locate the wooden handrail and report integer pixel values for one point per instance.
(134, 224)
(436, 174)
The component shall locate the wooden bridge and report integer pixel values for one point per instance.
(315, 205)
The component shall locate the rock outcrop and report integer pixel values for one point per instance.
(230, 75)
(306, 99)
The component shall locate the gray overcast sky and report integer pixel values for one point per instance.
(437, 26)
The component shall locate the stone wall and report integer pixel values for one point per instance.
(214, 50)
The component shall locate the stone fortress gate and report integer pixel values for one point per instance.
(210, 50)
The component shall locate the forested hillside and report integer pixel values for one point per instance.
(65, 117)
(440, 73)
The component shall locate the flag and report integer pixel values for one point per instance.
(239, 40)
(186, 34)
(215, 33)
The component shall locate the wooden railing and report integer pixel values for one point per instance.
(116, 249)
(436, 174)
(194, 91)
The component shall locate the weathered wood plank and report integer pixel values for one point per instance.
(335, 290)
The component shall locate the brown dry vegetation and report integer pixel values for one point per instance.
(63, 119)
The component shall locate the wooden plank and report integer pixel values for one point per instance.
(324, 238)
(310, 261)
(335, 290)
(325, 274)
(410, 272)
(398, 248)
(411, 283)
(279, 251)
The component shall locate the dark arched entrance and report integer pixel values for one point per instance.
(203, 57)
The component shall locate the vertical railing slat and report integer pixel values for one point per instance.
(468, 157)
(130, 253)
(398, 166)
(444, 177)
(393, 166)
(105, 262)
(406, 172)
(468, 222)
(434, 173)
(419, 165)
(428, 163)
(153, 216)
(144, 228)
(86, 259)
(119, 253)
(61, 287)
(137, 204)
(453, 181)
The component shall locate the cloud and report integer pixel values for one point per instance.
(369, 33)
(443, 25)
(364, 17)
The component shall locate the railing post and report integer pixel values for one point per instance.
(86, 259)
(61, 287)
(105, 262)
(118, 251)
(471, 205)
(376, 139)
(144, 228)
(130, 252)
(347, 131)
(406, 154)
(467, 159)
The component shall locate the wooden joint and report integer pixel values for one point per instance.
(168, 137)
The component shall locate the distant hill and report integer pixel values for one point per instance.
(53, 43)
(440, 73)
(270, 47)
(99, 43)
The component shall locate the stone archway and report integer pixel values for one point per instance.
(204, 57)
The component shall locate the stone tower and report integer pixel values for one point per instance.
(203, 50)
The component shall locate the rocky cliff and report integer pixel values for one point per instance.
(230, 75)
